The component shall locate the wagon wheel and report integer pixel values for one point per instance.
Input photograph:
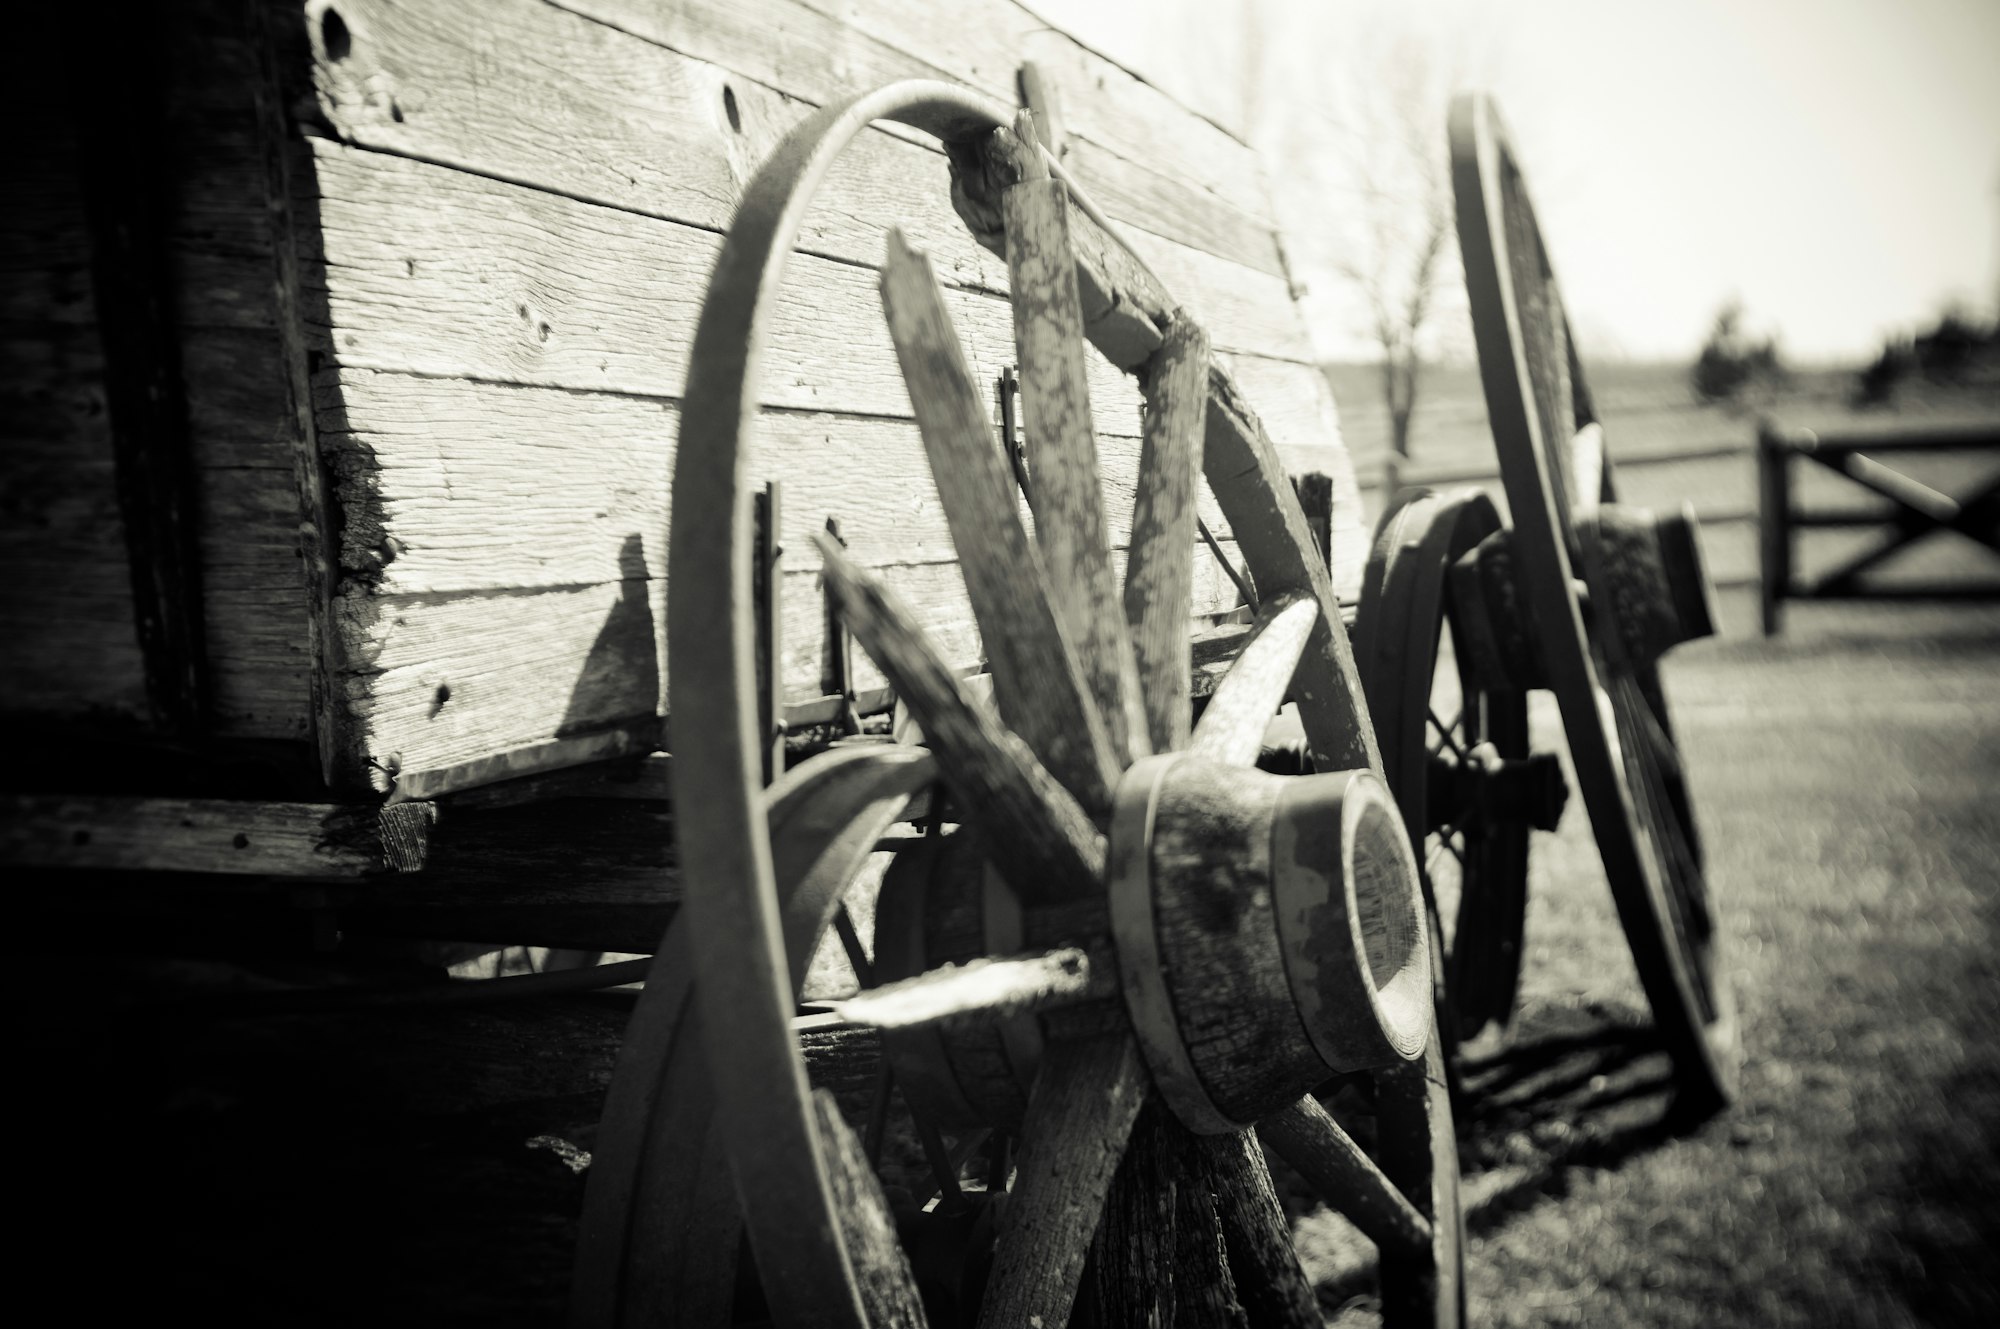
(1608, 588)
(1203, 936)
(1454, 735)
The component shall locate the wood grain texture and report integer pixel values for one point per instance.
(437, 477)
(595, 215)
(1039, 835)
(67, 642)
(1080, 1114)
(818, 52)
(1270, 1282)
(1204, 1283)
(437, 681)
(1062, 456)
(1159, 573)
(128, 188)
(1037, 677)
(451, 274)
(1132, 1271)
(657, 132)
(213, 835)
(888, 1286)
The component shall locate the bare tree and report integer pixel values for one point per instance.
(1398, 249)
(1363, 185)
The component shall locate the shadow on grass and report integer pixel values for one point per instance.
(1579, 1088)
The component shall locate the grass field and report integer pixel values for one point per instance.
(1845, 776)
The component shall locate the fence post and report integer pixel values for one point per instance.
(1774, 523)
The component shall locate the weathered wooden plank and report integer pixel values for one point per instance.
(67, 644)
(446, 273)
(456, 468)
(127, 188)
(1140, 197)
(1242, 309)
(445, 680)
(258, 639)
(818, 52)
(657, 131)
(651, 130)
(459, 274)
(213, 835)
(815, 49)
(439, 477)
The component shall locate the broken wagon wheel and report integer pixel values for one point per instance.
(1608, 589)
(1225, 937)
(1453, 726)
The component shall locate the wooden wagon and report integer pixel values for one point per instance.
(342, 411)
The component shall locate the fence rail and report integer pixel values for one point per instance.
(1914, 511)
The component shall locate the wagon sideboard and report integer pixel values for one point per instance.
(383, 476)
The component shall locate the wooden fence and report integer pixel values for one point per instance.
(1914, 511)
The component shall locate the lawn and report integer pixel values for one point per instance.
(1845, 779)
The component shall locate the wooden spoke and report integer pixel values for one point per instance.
(1062, 445)
(1309, 1139)
(888, 1286)
(1159, 572)
(1037, 679)
(1132, 1262)
(1270, 1281)
(1204, 1282)
(1232, 728)
(1249, 483)
(983, 991)
(1046, 846)
(1080, 1114)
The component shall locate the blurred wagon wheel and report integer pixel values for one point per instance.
(1454, 735)
(1608, 589)
(1193, 943)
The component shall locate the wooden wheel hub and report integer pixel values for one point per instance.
(1652, 564)
(1269, 931)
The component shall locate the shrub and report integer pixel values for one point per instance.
(1730, 363)
(1876, 385)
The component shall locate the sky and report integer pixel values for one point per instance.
(1833, 164)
